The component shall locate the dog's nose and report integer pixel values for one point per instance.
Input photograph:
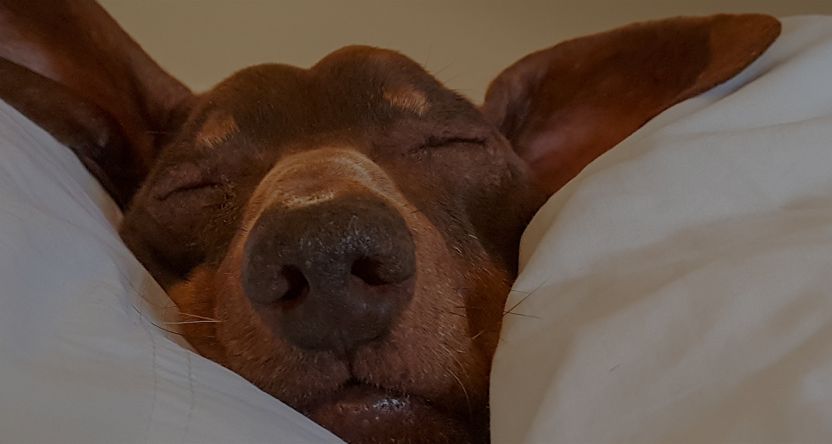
(331, 275)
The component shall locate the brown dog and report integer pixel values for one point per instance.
(352, 228)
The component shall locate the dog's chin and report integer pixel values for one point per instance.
(365, 414)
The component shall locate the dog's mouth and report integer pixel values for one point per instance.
(361, 413)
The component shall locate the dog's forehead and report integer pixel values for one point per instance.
(383, 78)
(372, 68)
(353, 87)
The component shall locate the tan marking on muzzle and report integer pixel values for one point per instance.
(217, 129)
(312, 177)
(428, 352)
(407, 98)
(307, 200)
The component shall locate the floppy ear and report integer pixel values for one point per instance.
(564, 106)
(70, 68)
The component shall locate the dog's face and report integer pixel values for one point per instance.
(352, 228)
(345, 236)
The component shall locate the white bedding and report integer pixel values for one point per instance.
(680, 289)
(81, 360)
(677, 291)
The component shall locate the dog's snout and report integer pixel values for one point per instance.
(332, 275)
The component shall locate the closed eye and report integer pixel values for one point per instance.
(441, 142)
(190, 188)
(186, 179)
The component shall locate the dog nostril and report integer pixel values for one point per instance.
(286, 287)
(296, 286)
(330, 276)
(368, 270)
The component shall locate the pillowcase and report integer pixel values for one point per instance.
(85, 352)
(678, 290)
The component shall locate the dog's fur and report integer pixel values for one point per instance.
(224, 188)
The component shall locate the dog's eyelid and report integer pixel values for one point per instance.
(189, 188)
(444, 141)
(186, 178)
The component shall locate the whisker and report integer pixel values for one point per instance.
(521, 315)
(523, 299)
(464, 390)
(210, 321)
(166, 330)
(440, 70)
(458, 379)
(474, 338)
(205, 318)
(176, 332)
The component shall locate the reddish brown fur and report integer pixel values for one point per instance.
(220, 159)
(624, 78)
(216, 130)
(90, 62)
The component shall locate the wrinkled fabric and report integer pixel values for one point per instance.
(85, 353)
(679, 290)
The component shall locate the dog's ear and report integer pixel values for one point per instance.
(70, 68)
(564, 106)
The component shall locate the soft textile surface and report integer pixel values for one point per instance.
(677, 291)
(83, 354)
(680, 289)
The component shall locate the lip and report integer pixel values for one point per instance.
(360, 413)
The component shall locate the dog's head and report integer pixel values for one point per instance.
(344, 236)
(352, 228)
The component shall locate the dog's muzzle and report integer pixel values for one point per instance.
(329, 263)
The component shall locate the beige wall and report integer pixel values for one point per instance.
(464, 43)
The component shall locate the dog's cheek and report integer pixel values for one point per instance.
(487, 289)
(429, 351)
(195, 298)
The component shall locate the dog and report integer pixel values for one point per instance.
(351, 229)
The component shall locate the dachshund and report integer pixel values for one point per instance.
(352, 227)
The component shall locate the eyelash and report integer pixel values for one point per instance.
(441, 142)
(192, 187)
(189, 187)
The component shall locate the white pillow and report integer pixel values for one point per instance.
(84, 357)
(677, 291)
(680, 289)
